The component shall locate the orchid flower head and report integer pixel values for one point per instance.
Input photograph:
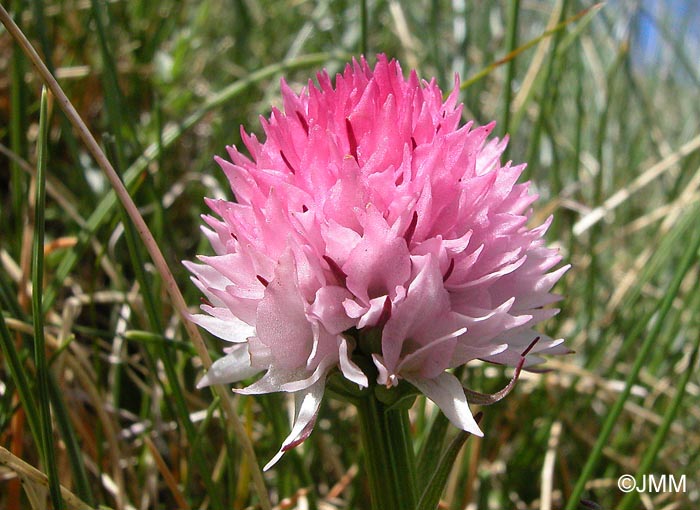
(369, 206)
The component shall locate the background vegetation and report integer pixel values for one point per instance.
(605, 109)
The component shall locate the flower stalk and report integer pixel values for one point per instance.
(389, 457)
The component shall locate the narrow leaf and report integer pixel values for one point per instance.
(432, 492)
(42, 368)
(429, 454)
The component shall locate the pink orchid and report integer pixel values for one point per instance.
(369, 206)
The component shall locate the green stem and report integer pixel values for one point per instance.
(363, 27)
(512, 44)
(388, 454)
(46, 446)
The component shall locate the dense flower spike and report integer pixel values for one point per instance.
(368, 206)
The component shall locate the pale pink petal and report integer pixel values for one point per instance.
(278, 379)
(233, 367)
(329, 310)
(231, 328)
(384, 377)
(379, 262)
(428, 360)
(307, 403)
(422, 317)
(447, 393)
(340, 240)
(349, 369)
(281, 316)
(371, 315)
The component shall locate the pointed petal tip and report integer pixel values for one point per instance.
(203, 382)
(307, 404)
(477, 420)
(448, 394)
(349, 369)
(274, 460)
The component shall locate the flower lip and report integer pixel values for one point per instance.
(336, 270)
(408, 235)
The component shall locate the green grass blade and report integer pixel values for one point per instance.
(18, 140)
(658, 315)
(364, 23)
(38, 10)
(159, 351)
(70, 440)
(431, 449)
(20, 379)
(511, 46)
(8, 298)
(42, 368)
(431, 494)
(584, 15)
(549, 82)
(173, 390)
(652, 450)
(114, 99)
(26, 396)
